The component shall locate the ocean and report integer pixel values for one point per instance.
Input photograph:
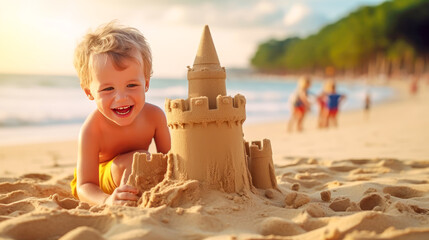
(38, 108)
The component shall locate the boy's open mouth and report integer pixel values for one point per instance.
(123, 111)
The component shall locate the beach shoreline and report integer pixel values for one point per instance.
(359, 136)
(30, 116)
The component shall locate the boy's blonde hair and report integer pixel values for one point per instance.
(118, 42)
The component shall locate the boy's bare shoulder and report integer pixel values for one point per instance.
(91, 126)
(152, 107)
(153, 110)
(155, 115)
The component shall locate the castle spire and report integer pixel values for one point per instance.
(206, 77)
(206, 54)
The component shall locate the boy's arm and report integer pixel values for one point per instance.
(87, 167)
(162, 133)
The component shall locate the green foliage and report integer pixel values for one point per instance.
(269, 54)
(394, 29)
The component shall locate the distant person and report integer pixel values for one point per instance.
(300, 104)
(333, 100)
(114, 65)
(321, 100)
(414, 86)
(367, 103)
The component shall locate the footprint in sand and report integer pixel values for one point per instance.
(7, 187)
(402, 207)
(403, 192)
(419, 210)
(15, 209)
(359, 161)
(14, 196)
(343, 168)
(37, 176)
(394, 164)
(34, 189)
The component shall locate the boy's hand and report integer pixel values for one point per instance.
(123, 195)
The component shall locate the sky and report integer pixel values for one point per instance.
(39, 36)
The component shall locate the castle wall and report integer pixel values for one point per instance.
(208, 143)
(181, 113)
(147, 171)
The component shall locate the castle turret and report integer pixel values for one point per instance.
(206, 77)
(261, 165)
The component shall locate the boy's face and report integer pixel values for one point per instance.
(119, 94)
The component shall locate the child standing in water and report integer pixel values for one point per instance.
(114, 65)
(300, 104)
(333, 100)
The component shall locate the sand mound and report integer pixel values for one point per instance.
(39, 206)
(279, 227)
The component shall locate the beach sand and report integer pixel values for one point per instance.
(366, 179)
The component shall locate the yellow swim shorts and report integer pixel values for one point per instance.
(105, 179)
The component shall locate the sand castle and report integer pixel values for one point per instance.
(207, 136)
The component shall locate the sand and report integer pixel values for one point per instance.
(367, 179)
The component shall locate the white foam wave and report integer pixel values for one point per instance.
(35, 106)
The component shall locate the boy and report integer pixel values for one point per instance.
(332, 100)
(114, 64)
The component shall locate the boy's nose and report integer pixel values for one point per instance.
(121, 96)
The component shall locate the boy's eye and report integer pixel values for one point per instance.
(132, 85)
(107, 89)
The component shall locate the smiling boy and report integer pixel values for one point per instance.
(114, 65)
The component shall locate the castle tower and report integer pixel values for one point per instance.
(207, 77)
(206, 129)
(261, 165)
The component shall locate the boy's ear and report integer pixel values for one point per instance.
(88, 93)
(146, 84)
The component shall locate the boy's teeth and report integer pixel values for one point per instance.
(123, 110)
